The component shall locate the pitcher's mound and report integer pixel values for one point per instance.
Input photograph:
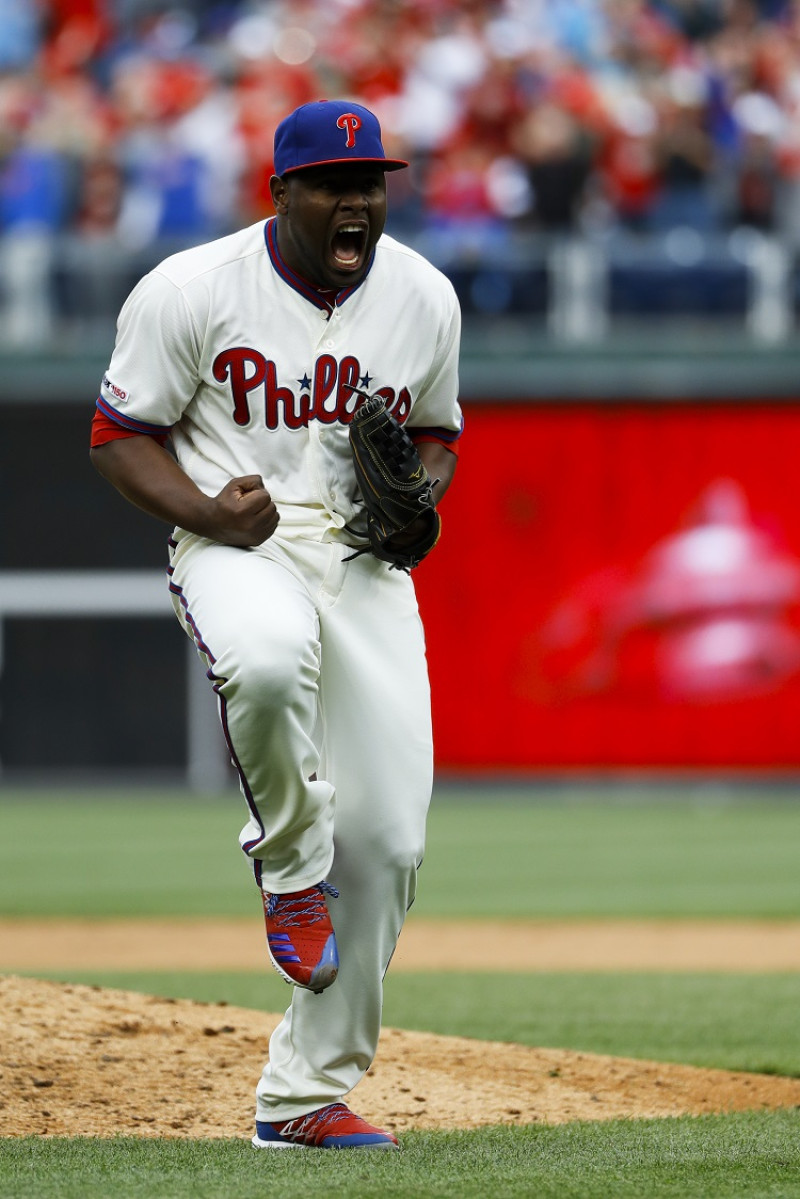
(86, 1061)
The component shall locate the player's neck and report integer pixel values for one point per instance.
(326, 294)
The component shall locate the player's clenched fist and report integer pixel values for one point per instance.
(245, 513)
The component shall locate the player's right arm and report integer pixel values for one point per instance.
(147, 475)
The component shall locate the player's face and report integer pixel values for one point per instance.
(329, 219)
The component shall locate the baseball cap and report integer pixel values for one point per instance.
(330, 131)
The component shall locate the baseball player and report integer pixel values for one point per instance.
(225, 411)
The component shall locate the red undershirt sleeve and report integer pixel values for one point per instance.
(105, 428)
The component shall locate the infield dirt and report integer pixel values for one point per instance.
(90, 1061)
(522, 945)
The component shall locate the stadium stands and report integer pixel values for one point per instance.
(665, 133)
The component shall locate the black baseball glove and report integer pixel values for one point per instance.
(402, 522)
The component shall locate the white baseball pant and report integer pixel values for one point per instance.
(320, 670)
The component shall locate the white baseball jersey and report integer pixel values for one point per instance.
(252, 371)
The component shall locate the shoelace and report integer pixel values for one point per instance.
(297, 1129)
(301, 909)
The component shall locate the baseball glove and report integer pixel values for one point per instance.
(395, 486)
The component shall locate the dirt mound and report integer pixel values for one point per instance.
(86, 1061)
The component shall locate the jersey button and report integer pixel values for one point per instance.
(329, 344)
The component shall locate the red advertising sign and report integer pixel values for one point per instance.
(618, 585)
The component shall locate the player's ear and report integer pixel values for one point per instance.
(279, 190)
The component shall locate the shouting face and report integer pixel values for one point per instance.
(329, 220)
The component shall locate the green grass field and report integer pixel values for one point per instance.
(557, 853)
(750, 1155)
(720, 854)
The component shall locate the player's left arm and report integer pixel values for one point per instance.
(440, 463)
(436, 416)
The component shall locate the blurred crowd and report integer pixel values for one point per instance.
(146, 121)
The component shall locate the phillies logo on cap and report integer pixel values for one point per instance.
(350, 122)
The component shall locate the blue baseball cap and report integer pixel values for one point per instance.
(330, 131)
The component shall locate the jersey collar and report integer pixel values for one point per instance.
(307, 290)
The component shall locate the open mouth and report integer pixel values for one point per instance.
(348, 244)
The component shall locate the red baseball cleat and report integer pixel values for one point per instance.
(300, 937)
(331, 1127)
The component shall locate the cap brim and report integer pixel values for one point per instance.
(386, 164)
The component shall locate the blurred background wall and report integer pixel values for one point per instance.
(613, 188)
